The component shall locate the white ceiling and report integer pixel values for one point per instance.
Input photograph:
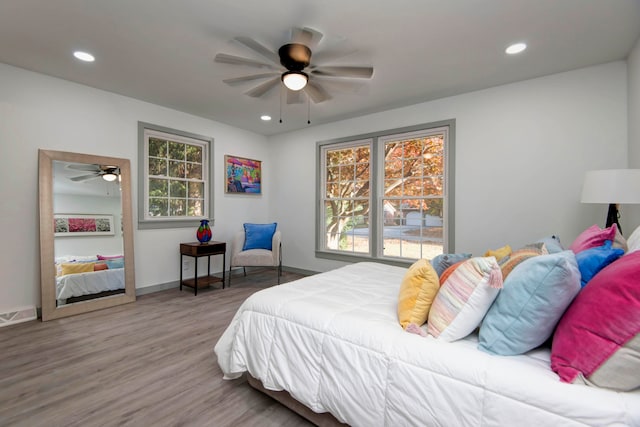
(162, 51)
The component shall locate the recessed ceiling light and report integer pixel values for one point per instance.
(515, 48)
(84, 56)
(265, 118)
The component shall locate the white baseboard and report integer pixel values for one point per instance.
(18, 315)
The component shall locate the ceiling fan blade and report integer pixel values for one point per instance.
(294, 97)
(265, 87)
(316, 92)
(84, 167)
(239, 80)
(84, 177)
(329, 55)
(348, 86)
(344, 71)
(306, 36)
(260, 49)
(238, 60)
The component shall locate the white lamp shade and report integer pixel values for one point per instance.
(618, 186)
(294, 80)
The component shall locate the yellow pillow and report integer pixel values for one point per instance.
(499, 253)
(77, 267)
(417, 292)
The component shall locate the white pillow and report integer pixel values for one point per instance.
(633, 242)
(464, 298)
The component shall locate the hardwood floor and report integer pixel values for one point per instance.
(148, 363)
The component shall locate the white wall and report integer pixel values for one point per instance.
(631, 213)
(521, 153)
(37, 111)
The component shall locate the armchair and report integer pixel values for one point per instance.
(256, 257)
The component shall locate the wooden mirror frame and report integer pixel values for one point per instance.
(47, 252)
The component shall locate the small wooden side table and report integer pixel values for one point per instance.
(197, 250)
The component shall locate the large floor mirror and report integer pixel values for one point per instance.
(86, 233)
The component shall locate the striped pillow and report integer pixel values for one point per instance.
(509, 262)
(464, 298)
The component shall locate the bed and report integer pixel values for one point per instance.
(332, 342)
(82, 284)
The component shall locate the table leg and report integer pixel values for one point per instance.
(195, 278)
(180, 272)
(223, 264)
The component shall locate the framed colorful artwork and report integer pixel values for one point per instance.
(243, 176)
(83, 225)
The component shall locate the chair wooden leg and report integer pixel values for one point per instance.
(229, 276)
(245, 271)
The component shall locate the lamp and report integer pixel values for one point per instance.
(613, 186)
(110, 174)
(295, 80)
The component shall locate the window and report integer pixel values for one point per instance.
(174, 178)
(388, 195)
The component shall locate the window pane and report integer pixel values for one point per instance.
(433, 186)
(176, 169)
(332, 190)
(177, 189)
(433, 165)
(194, 153)
(176, 150)
(347, 173)
(333, 173)
(412, 149)
(177, 207)
(362, 171)
(393, 168)
(158, 187)
(195, 207)
(157, 167)
(157, 147)
(413, 187)
(158, 207)
(196, 190)
(194, 171)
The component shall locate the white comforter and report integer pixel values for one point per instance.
(75, 285)
(333, 341)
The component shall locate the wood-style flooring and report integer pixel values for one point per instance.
(148, 363)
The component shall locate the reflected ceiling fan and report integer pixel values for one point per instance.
(294, 66)
(107, 172)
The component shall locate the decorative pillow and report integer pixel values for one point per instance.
(499, 253)
(619, 241)
(633, 242)
(258, 236)
(444, 261)
(552, 243)
(526, 311)
(464, 299)
(76, 267)
(591, 261)
(105, 257)
(508, 263)
(448, 271)
(592, 237)
(597, 341)
(100, 267)
(114, 263)
(419, 286)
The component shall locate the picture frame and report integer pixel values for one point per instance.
(71, 225)
(242, 175)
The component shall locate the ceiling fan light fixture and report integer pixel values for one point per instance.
(295, 80)
(110, 176)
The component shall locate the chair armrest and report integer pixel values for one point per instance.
(275, 247)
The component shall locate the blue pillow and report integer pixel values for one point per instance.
(592, 260)
(441, 262)
(258, 236)
(552, 243)
(114, 263)
(534, 297)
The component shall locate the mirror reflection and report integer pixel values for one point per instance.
(86, 237)
(88, 247)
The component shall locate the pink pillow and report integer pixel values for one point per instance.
(103, 257)
(593, 237)
(597, 339)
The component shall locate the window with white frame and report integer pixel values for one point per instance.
(174, 176)
(387, 195)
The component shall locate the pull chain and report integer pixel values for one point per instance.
(281, 89)
(308, 110)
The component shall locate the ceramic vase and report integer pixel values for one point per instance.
(204, 232)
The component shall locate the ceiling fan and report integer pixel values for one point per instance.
(107, 172)
(292, 65)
